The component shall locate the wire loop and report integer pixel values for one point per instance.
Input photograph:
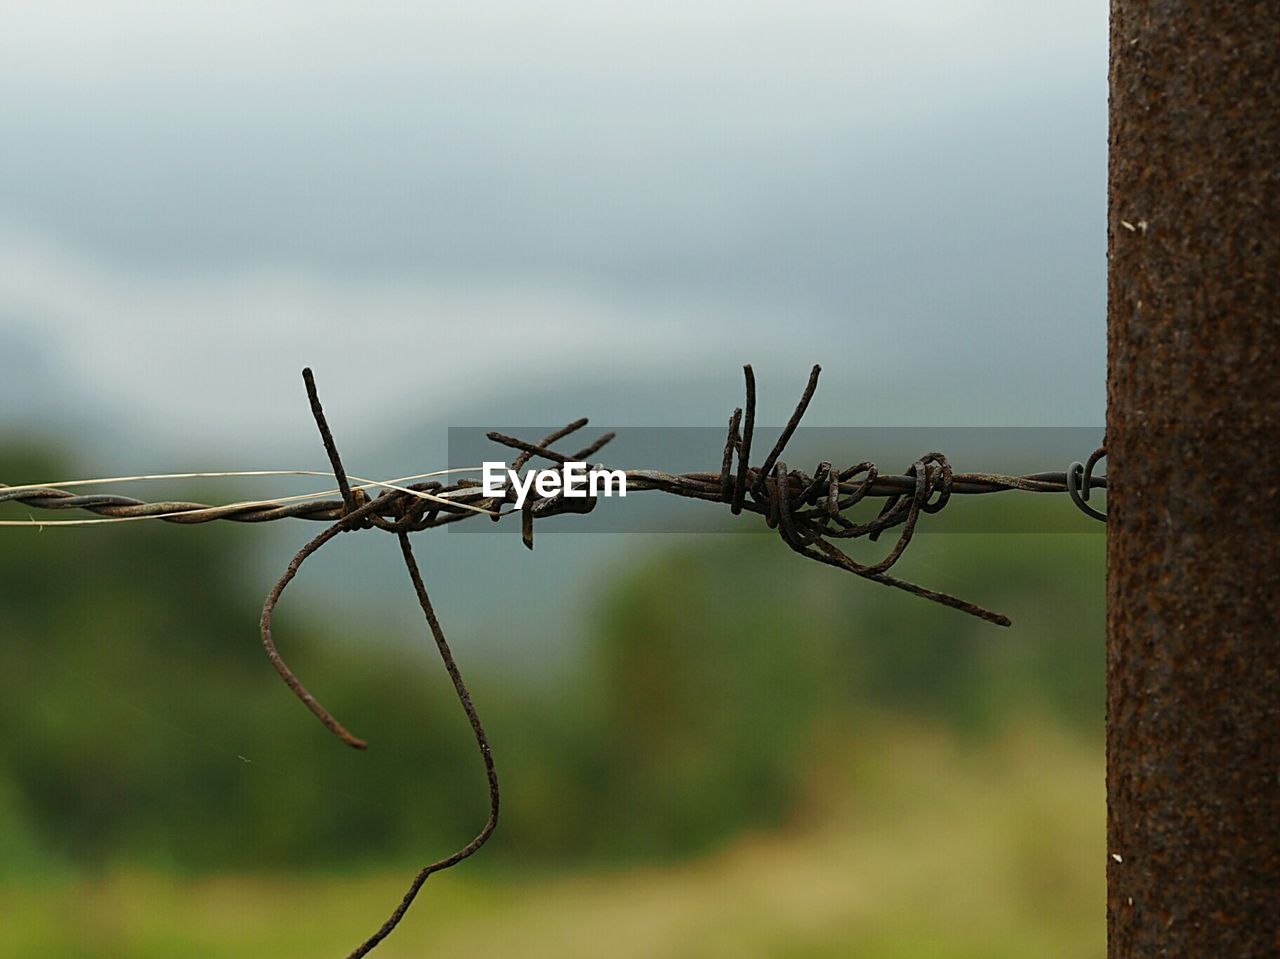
(1080, 479)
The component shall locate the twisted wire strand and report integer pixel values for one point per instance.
(694, 485)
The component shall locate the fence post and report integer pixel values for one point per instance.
(1193, 432)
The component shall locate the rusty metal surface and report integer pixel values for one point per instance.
(1193, 654)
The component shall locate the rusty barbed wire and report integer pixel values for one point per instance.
(697, 485)
(807, 510)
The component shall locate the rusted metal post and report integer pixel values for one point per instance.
(1193, 431)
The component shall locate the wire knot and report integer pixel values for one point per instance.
(808, 510)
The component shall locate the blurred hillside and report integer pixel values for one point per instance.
(145, 725)
(941, 850)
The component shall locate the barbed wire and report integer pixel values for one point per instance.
(807, 509)
(695, 485)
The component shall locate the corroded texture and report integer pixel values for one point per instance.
(1193, 431)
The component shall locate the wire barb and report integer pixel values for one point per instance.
(317, 411)
(268, 641)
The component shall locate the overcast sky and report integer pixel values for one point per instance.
(443, 206)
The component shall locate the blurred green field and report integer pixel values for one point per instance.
(921, 846)
(750, 755)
